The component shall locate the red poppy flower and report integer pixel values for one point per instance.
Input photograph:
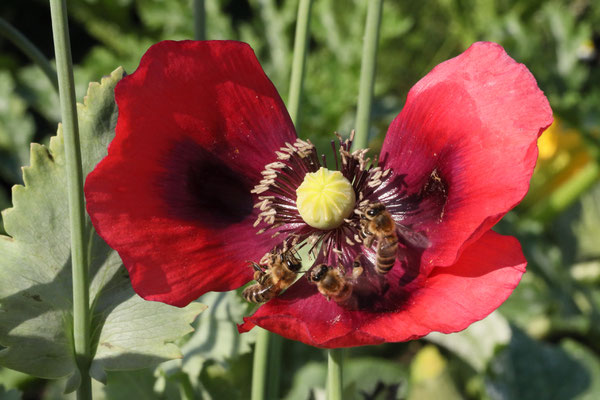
(205, 157)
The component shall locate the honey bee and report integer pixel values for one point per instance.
(276, 275)
(377, 224)
(333, 283)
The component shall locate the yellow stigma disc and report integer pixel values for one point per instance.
(325, 198)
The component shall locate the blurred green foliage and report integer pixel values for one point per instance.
(545, 340)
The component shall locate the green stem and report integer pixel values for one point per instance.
(199, 20)
(261, 349)
(25, 45)
(274, 367)
(299, 61)
(367, 74)
(567, 193)
(186, 391)
(81, 317)
(271, 17)
(259, 367)
(335, 363)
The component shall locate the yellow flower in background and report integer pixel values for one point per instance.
(562, 153)
(548, 143)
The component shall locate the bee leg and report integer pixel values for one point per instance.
(368, 242)
(256, 267)
(257, 275)
(266, 289)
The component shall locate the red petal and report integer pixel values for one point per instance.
(447, 301)
(475, 119)
(197, 123)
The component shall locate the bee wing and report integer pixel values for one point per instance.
(413, 238)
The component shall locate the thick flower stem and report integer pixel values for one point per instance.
(261, 350)
(81, 317)
(274, 368)
(299, 62)
(199, 20)
(259, 367)
(335, 363)
(367, 74)
(29, 49)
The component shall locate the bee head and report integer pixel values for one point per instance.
(374, 209)
(318, 272)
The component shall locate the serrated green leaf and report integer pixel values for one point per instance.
(35, 270)
(478, 343)
(135, 335)
(216, 337)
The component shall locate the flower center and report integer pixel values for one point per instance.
(325, 198)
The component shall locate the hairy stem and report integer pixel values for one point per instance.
(299, 62)
(276, 342)
(81, 315)
(367, 74)
(259, 367)
(199, 20)
(335, 362)
(261, 370)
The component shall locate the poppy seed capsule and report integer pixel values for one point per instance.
(325, 198)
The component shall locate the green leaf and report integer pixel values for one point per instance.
(591, 378)
(10, 378)
(310, 378)
(362, 376)
(127, 385)
(39, 93)
(529, 369)
(430, 378)
(4, 203)
(12, 394)
(35, 270)
(587, 227)
(16, 130)
(216, 337)
(232, 383)
(478, 343)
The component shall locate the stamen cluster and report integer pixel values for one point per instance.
(277, 200)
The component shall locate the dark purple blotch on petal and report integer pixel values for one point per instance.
(199, 186)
